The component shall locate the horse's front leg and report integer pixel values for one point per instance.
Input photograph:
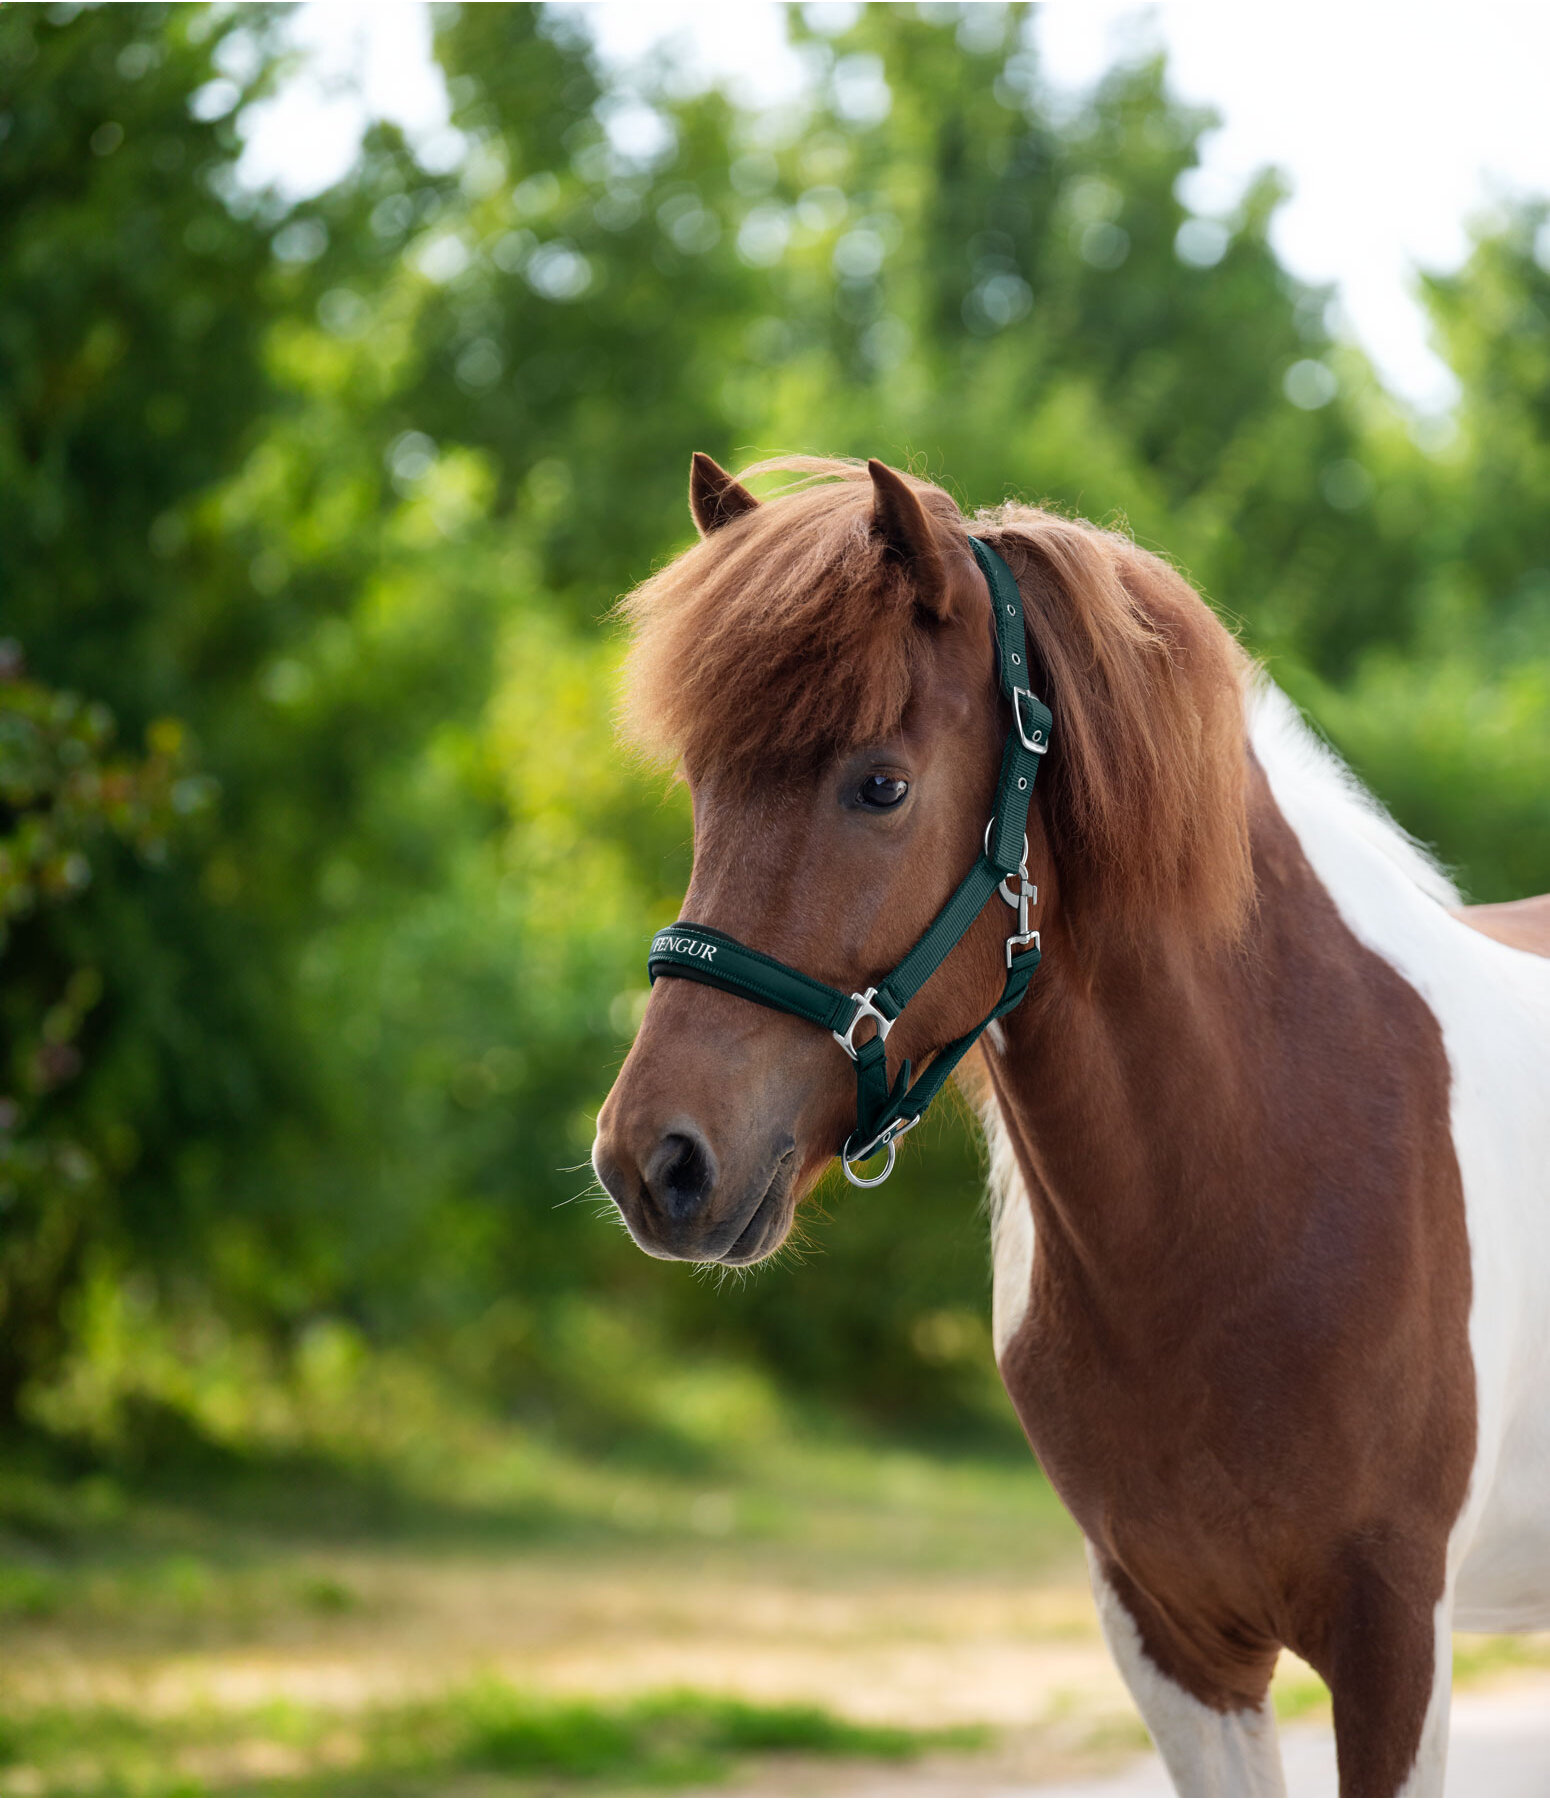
(1389, 1665)
(1206, 1749)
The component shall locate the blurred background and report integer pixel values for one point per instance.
(344, 1437)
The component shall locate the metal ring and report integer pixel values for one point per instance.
(991, 827)
(868, 1181)
(1022, 867)
(885, 1140)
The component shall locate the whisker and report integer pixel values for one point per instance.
(592, 1191)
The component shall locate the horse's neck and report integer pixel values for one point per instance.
(1122, 1103)
(1158, 1112)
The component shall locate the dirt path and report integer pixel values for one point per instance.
(926, 1650)
(933, 1651)
(1499, 1745)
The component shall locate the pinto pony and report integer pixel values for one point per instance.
(1269, 1135)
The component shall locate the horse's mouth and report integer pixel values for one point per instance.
(769, 1221)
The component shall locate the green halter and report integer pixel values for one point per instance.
(884, 1114)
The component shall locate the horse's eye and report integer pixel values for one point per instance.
(883, 791)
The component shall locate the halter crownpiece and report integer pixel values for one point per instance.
(883, 1113)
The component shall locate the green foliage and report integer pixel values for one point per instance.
(60, 800)
(58, 793)
(656, 1744)
(662, 1740)
(345, 490)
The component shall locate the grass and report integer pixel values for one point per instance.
(1299, 1693)
(160, 1560)
(1479, 1658)
(201, 1533)
(150, 1432)
(147, 1570)
(484, 1737)
(185, 1562)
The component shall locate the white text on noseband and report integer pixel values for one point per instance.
(681, 946)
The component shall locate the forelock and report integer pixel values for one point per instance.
(783, 639)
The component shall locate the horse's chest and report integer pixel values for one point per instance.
(1145, 1460)
(1221, 1466)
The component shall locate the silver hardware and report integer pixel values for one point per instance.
(1026, 895)
(1033, 740)
(885, 1140)
(864, 1181)
(1020, 940)
(864, 1010)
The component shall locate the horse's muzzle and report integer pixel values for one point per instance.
(678, 1205)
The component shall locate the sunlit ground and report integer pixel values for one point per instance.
(446, 1603)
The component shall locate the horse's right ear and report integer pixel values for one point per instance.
(900, 521)
(715, 497)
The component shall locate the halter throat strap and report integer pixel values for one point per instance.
(884, 1113)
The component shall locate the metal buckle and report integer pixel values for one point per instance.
(864, 1010)
(887, 1139)
(1036, 742)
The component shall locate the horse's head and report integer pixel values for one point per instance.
(823, 667)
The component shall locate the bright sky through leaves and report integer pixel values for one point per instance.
(1394, 125)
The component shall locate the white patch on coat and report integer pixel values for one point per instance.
(1492, 1003)
(1011, 1233)
(1205, 1751)
(1431, 1757)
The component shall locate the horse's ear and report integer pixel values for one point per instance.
(900, 521)
(715, 497)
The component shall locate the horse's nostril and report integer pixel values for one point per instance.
(681, 1173)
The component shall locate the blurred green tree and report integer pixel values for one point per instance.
(61, 797)
(1451, 723)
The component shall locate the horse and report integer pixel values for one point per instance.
(1268, 1135)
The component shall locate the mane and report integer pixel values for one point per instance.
(1148, 776)
(777, 642)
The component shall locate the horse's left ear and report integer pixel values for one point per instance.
(900, 521)
(715, 497)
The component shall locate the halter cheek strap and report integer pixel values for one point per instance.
(883, 1113)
